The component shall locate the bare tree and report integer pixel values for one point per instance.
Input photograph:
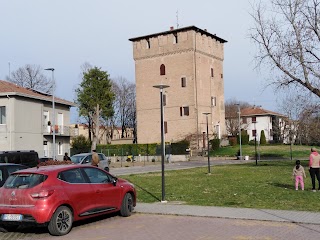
(287, 35)
(232, 117)
(31, 76)
(125, 105)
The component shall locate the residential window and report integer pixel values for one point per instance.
(254, 119)
(254, 132)
(148, 43)
(184, 111)
(213, 102)
(2, 115)
(162, 69)
(59, 148)
(244, 120)
(212, 72)
(183, 82)
(221, 75)
(164, 99)
(165, 126)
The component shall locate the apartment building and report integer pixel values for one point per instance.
(190, 61)
(26, 121)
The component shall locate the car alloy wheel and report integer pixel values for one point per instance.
(61, 221)
(127, 205)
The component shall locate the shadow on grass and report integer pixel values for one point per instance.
(283, 185)
(146, 191)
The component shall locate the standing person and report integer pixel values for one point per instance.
(66, 157)
(95, 158)
(314, 165)
(298, 173)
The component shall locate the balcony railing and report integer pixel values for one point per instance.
(61, 130)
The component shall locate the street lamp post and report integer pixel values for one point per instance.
(255, 143)
(161, 87)
(240, 157)
(53, 117)
(209, 171)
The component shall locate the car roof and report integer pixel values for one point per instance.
(51, 168)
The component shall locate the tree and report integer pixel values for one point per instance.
(287, 34)
(263, 140)
(125, 105)
(232, 117)
(95, 99)
(80, 144)
(31, 76)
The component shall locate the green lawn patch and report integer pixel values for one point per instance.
(268, 185)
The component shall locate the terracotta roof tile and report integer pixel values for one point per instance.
(7, 88)
(255, 111)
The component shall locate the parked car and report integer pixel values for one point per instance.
(27, 158)
(6, 169)
(58, 195)
(86, 158)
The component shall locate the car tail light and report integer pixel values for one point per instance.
(42, 194)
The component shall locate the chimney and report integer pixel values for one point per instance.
(171, 28)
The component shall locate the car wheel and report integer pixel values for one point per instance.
(61, 221)
(127, 205)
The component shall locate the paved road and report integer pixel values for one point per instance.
(173, 227)
(170, 221)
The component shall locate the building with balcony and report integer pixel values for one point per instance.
(26, 121)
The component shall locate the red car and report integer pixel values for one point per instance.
(56, 196)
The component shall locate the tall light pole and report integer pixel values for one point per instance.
(206, 113)
(53, 117)
(238, 104)
(161, 87)
(255, 142)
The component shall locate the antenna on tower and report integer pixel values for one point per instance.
(177, 15)
(9, 71)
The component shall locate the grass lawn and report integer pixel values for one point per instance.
(266, 151)
(268, 185)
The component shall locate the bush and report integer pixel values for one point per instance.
(80, 144)
(263, 139)
(53, 162)
(215, 144)
(180, 147)
(233, 141)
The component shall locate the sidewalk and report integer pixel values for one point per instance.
(233, 213)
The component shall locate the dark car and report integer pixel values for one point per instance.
(55, 196)
(86, 158)
(45, 159)
(6, 169)
(27, 158)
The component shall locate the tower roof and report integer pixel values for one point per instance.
(171, 31)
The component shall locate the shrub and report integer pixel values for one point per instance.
(80, 144)
(263, 140)
(233, 141)
(215, 144)
(53, 162)
(180, 147)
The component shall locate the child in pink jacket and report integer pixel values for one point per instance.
(298, 173)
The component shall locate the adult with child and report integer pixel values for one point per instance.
(298, 174)
(314, 165)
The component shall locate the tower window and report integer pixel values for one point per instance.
(175, 38)
(183, 82)
(164, 99)
(162, 69)
(184, 111)
(165, 126)
(148, 43)
(213, 101)
(212, 72)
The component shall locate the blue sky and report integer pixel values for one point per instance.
(63, 34)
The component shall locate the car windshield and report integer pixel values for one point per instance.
(77, 158)
(28, 180)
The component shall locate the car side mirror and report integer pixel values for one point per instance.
(114, 181)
